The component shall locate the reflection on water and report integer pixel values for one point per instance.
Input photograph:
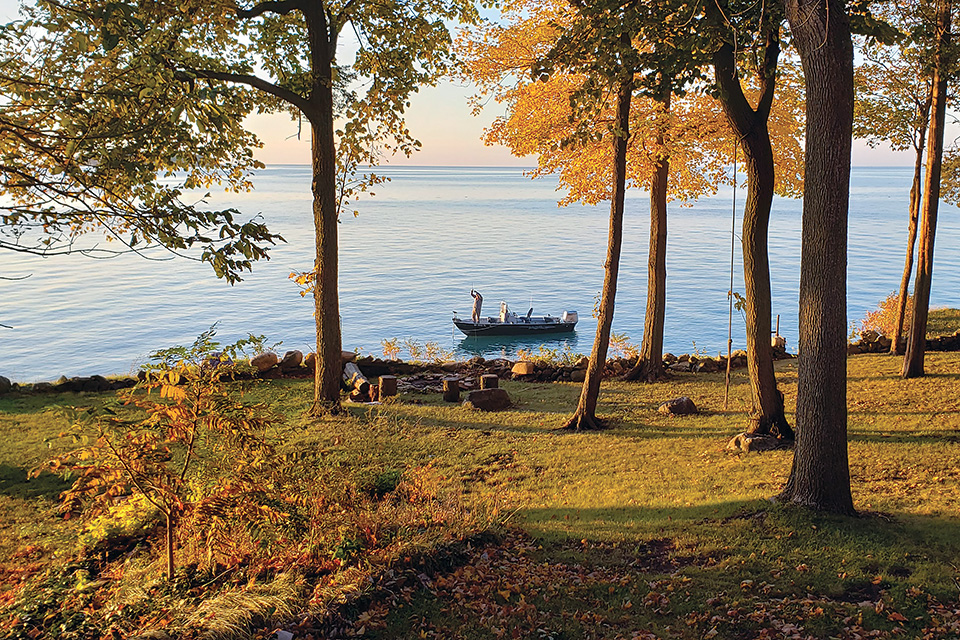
(508, 346)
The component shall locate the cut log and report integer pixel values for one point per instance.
(354, 378)
(489, 381)
(451, 390)
(388, 386)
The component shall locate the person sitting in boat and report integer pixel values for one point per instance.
(477, 303)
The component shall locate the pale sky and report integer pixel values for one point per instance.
(441, 119)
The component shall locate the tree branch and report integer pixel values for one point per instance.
(768, 83)
(257, 83)
(282, 7)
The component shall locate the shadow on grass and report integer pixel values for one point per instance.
(725, 561)
(16, 483)
(35, 403)
(898, 545)
(931, 436)
(519, 421)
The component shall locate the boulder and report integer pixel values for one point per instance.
(450, 366)
(488, 400)
(678, 407)
(310, 362)
(747, 442)
(523, 368)
(42, 387)
(95, 383)
(348, 356)
(679, 366)
(264, 361)
(5, 385)
(669, 358)
(583, 362)
(578, 375)
(708, 365)
(291, 360)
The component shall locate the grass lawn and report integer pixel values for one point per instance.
(499, 526)
(943, 322)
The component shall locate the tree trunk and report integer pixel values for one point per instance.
(820, 476)
(649, 367)
(750, 126)
(917, 334)
(326, 386)
(169, 546)
(585, 417)
(896, 344)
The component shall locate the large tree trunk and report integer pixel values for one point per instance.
(820, 476)
(326, 387)
(649, 367)
(896, 343)
(585, 416)
(917, 334)
(750, 126)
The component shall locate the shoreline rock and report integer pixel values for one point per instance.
(295, 365)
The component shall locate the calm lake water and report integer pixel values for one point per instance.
(413, 254)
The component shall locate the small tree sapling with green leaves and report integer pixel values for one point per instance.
(192, 445)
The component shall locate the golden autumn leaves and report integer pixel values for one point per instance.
(540, 118)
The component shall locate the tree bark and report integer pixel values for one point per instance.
(649, 367)
(917, 334)
(585, 416)
(820, 475)
(326, 387)
(750, 125)
(896, 343)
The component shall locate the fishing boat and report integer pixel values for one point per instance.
(511, 324)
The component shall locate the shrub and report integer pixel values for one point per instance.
(883, 319)
(562, 357)
(183, 440)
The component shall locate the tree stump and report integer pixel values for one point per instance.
(451, 389)
(388, 386)
(489, 381)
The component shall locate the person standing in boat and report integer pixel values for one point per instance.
(504, 311)
(477, 303)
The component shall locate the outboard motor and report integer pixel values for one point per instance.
(569, 316)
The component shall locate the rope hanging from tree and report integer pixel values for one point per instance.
(733, 244)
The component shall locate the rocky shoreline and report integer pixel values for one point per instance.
(412, 375)
(428, 376)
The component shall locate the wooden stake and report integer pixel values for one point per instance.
(388, 386)
(451, 390)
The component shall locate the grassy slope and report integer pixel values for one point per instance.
(650, 526)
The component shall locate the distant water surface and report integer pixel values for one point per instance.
(413, 254)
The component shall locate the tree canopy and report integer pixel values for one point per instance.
(169, 84)
(102, 147)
